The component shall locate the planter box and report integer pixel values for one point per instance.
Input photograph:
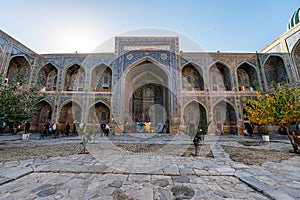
(266, 138)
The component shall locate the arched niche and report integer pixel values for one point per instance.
(70, 113)
(192, 79)
(275, 71)
(99, 113)
(247, 76)
(220, 77)
(74, 78)
(224, 117)
(47, 77)
(43, 114)
(101, 79)
(18, 70)
(193, 113)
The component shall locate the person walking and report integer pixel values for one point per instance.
(54, 129)
(27, 127)
(3, 126)
(107, 129)
(68, 129)
(47, 126)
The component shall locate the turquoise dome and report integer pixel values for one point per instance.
(294, 19)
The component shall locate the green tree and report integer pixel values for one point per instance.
(17, 102)
(281, 107)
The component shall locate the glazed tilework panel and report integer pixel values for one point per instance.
(17, 52)
(296, 56)
(292, 40)
(162, 57)
(145, 43)
(2, 44)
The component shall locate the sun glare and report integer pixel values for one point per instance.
(82, 40)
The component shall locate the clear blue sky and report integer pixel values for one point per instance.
(61, 26)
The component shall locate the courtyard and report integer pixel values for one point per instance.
(148, 166)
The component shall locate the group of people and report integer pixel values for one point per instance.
(49, 129)
(104, 128)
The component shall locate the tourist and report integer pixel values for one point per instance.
(68, 129)
(74, 129)
(107, 129)
(47, 126)
(102, 129)
(54, 129)
(3, 126)
(16, 127)
(27, 127)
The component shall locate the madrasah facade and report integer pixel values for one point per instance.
(148, 79)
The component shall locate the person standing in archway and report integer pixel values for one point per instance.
(68, 129)
(27, 127)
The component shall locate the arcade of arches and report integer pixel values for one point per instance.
(149, 83)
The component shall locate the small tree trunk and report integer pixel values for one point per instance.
(197, 149)
(290, 138)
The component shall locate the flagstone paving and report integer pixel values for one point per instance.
(111, 172)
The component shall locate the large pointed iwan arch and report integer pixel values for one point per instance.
(147, 96)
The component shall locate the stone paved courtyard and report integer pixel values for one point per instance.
(111, 171)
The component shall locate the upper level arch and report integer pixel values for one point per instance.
(220, 77)
(192, 77)
(101, 78)
(275, 71)
(18, 70)
(247, 76)
(47, 77)
(74, 78)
